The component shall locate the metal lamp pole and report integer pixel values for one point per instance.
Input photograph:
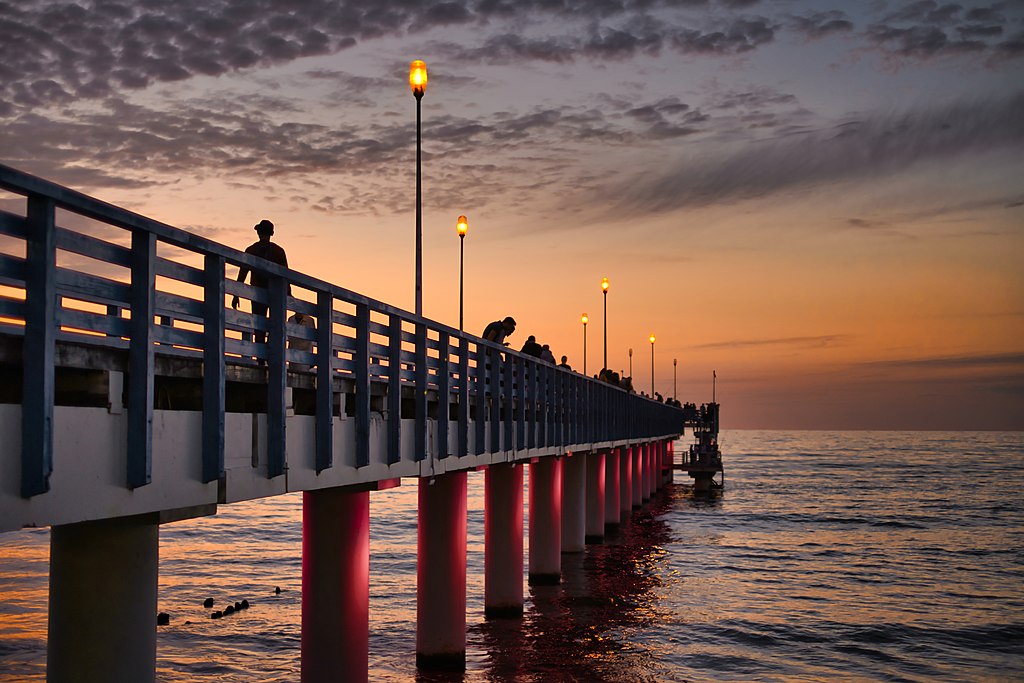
(604, 288)
(675, 361)
(462, 227)
(652, 366)
(585, 320)
(418, 82)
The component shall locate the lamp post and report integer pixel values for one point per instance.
(418, 82)
(675, 361)
(631, 363)
(604, 289)
(584, 319)
(652, 365)
(462, 226)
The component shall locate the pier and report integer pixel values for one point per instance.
(134, 396)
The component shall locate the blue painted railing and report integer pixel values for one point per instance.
(113, 278)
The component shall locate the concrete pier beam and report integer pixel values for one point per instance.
(503, 540)
(595, 497)
(612, 490)
(574, 503)
(670, 457)
(441, 573)
(546, 521)
(102, 612)
(335, 585)
(625, 483)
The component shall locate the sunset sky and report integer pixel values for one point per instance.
(821, 201)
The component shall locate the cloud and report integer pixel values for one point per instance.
(873, 145)
(821, 24)
(987, 361)
(928, 29)
(820, 341)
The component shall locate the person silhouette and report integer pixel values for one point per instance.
(264, 249)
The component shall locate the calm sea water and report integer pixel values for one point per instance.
(830, 556)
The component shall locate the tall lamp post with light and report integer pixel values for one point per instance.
(462, 227)
(418, 82)
(675, 361)
(584, 319)
(604, 289)
(652, 365)
(631, 363)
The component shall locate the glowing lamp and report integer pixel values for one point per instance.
(604, 284)
(462, 226)
(418, 77)
(585, 319)
(652, 338)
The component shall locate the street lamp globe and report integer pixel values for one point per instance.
(418, 77)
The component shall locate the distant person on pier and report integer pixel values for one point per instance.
(531, 347)
(300, 343)
(499, 329)
(565, 363)
(546, 355)
(264, 249)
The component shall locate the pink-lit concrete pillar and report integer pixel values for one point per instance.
(612, 490)
(647, 463)
(670, 456)
(335, 585)
(574, 503)
(546, 521)
(503, 540)
(102, 611)
(595, 497)
(625, 483)
(638, 476)
(441, 573)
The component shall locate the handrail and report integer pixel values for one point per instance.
(526, 402)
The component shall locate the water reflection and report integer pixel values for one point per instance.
(606, 592)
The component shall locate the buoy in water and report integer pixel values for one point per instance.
(163, 619)
(208, 602)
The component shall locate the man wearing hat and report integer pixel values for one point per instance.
(264, 249)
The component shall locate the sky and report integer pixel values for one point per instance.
(820, 202)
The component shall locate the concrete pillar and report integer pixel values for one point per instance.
(102, 613)
(546, 521)
(595, 497)
(638, 476)
(670, 457)
(441, 573)
(612, 490)
(335, 585)
(503, 540)
(625, 483)
(649, 457)
(574, 503)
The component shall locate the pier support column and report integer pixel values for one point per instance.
(441, 573)
(612, 490)
(595, 497)
(102, 612)
(335, 585)
(638, 476)
(574, 503)
(546, 521)
(670, 458)
(647, 465)
(625, 483)
(503, 540)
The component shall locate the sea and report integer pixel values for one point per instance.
(828, 556)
